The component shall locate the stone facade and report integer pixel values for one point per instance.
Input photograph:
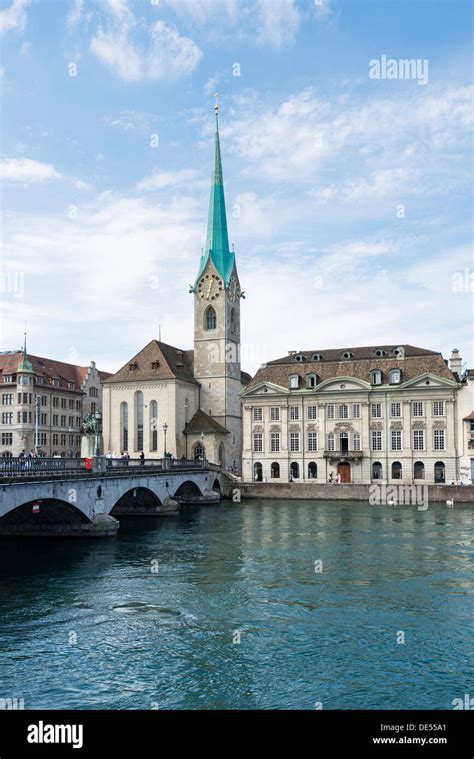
(65, 394)
(466, 427)
(385, 414)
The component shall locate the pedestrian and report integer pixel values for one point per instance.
(142, 458)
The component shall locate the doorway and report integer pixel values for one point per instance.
(344, 469)
(344, 442)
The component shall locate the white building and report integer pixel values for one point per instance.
(385, 413)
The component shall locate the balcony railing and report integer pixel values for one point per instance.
(36, 466)
(343, 455)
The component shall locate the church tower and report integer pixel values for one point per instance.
(217, 297)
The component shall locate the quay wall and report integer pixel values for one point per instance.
(327, 492)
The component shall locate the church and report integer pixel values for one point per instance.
(187, 402)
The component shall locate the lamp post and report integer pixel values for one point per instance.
(202, 446)
(165, 429)
(98, 430)
(37, 414)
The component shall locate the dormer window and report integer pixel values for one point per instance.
(133, 367)
(399, 352)
(317, 357)
(395, 376)
(347, 354)
(311, 380)
(294, 381)
(379, 353)
(376, 377)
(40, 380)
(55, 383)
(71, 385)
(155, 364)
(8, 378)
(299, 357)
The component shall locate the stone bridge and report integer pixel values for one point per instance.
(89, 503)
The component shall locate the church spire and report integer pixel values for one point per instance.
(25, 364)
(217, 239)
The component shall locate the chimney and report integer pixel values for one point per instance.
(455, 362)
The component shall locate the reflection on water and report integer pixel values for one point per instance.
(153, 619)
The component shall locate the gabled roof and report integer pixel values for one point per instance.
(48, 368)
(416, 362)
(202, 422)
(156, 361)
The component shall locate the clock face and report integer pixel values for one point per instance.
(210, 287)
(234, 290)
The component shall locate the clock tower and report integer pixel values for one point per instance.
(217, 297)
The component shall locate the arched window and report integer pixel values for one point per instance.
(311, 380)
(396, 470)
(295, 470)
(395, 376)
(376, 377)
(210, 318)
(124, 426)
(376, 470)
(257, 472)
(153, 426)
(222, 455)
(312, 470)
(139, 420)
(199, 452)
(419, 470)
(439, 472)
(275, 470)
(233, 326)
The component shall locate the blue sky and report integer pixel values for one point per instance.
(349, 198)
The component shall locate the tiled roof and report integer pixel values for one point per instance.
(417, 361)
(156, 361)
(469, 418)
(48, 368)
(202, 422)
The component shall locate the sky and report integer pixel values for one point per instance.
(348, 173)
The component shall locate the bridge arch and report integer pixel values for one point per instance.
(44, 515)
(216, 485)
(188, 492)
(139, 500)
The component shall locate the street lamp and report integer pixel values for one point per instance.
(165, 429)
(37, 414)
(98, 430)
(202, 448)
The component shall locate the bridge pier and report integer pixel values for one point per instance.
(101, 526)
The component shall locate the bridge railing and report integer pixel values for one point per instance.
(29, 466)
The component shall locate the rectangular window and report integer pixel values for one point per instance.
(376, 410)
(294, 412)
(55, 438)
(396, 409)
(7, 438)
(312, 412)
(43, 438)
(257, 442)
(94, 408)
(55, 402)
(274, 442)
(376, 440)
(43, 419)
(71, 421)
(330, 441)
(294, 441)
(63, 438)
(44, 400)
(71, 440)
(356, 441)
(343, 411)
(396, 440)
(438, 408)
(55, 420)
(439, 441)
(258, 414)
(274, 413)
(71, 404)
(356, 410)
(330, 411)
(63, 402)
(7, 399)
(312, 441)
(418, 440)
(78, 405)
(63, 421)
(417, 408)
(8, 378)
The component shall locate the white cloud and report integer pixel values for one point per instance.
(14, 17)
(165, 53)
(26, 170)
(278, 22)
(160, 180)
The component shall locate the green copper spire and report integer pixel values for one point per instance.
(25, 364)
(217, 240)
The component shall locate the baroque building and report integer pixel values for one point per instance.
(381, 413)
(186, 402)
(43, 403)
